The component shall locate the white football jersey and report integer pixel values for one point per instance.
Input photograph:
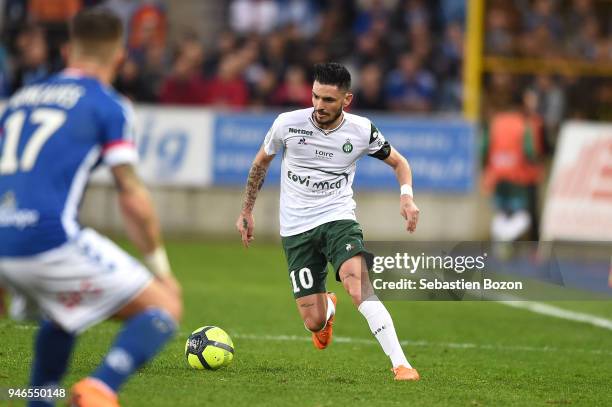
(318, 166)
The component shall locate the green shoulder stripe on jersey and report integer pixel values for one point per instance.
(374, 133)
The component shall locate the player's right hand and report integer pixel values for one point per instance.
(246, 225)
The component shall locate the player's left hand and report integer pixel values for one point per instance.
(410, 212)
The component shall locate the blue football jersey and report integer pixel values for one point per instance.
(52, 135)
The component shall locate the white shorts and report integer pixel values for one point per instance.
(79, 283)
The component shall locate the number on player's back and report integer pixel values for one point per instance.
(34, 130)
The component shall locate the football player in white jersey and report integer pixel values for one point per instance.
(317, 212)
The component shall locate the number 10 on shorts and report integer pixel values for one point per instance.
(304, 278)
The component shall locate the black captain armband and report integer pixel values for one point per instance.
(383, 153)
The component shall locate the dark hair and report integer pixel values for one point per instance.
(97, 25)
(332, 73)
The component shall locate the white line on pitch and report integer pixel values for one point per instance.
(552, 311)
(361, 341)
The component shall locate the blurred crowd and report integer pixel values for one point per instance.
(577, 29)
(553, 32)
(405, 55)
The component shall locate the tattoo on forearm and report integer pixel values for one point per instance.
(257, 174)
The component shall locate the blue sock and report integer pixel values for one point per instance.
(52, 350)
(140, 339)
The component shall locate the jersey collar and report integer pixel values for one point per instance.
(324, 131)
(73, 72)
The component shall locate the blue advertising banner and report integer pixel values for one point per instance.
(236, 140)
(174, 146)
(441, 153)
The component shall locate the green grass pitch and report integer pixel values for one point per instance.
(468, 353)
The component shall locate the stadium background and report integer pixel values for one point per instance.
(208, 77)
(429, 73)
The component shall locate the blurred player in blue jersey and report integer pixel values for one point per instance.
(52, 134)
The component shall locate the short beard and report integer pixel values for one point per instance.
(331, 120)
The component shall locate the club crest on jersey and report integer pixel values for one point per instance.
(347, 147)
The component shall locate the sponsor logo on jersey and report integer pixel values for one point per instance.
(325, 185)
(301, 131)
(11, 216)
(347, 147)
(319, 185)
(302, 141)
(322, 154)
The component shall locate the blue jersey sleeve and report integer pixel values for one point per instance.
(118, 134)
(3, 118)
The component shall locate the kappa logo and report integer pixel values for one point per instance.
(349, 247)
(302, 141)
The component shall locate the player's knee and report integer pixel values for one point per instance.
(172, 304)
(353, 287)
(315, 320)
(170, 301)
(174, 307)
(314, 323)
(355, 294)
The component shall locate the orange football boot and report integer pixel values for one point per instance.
(323, 338)
(405, 373)
(92, 393)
